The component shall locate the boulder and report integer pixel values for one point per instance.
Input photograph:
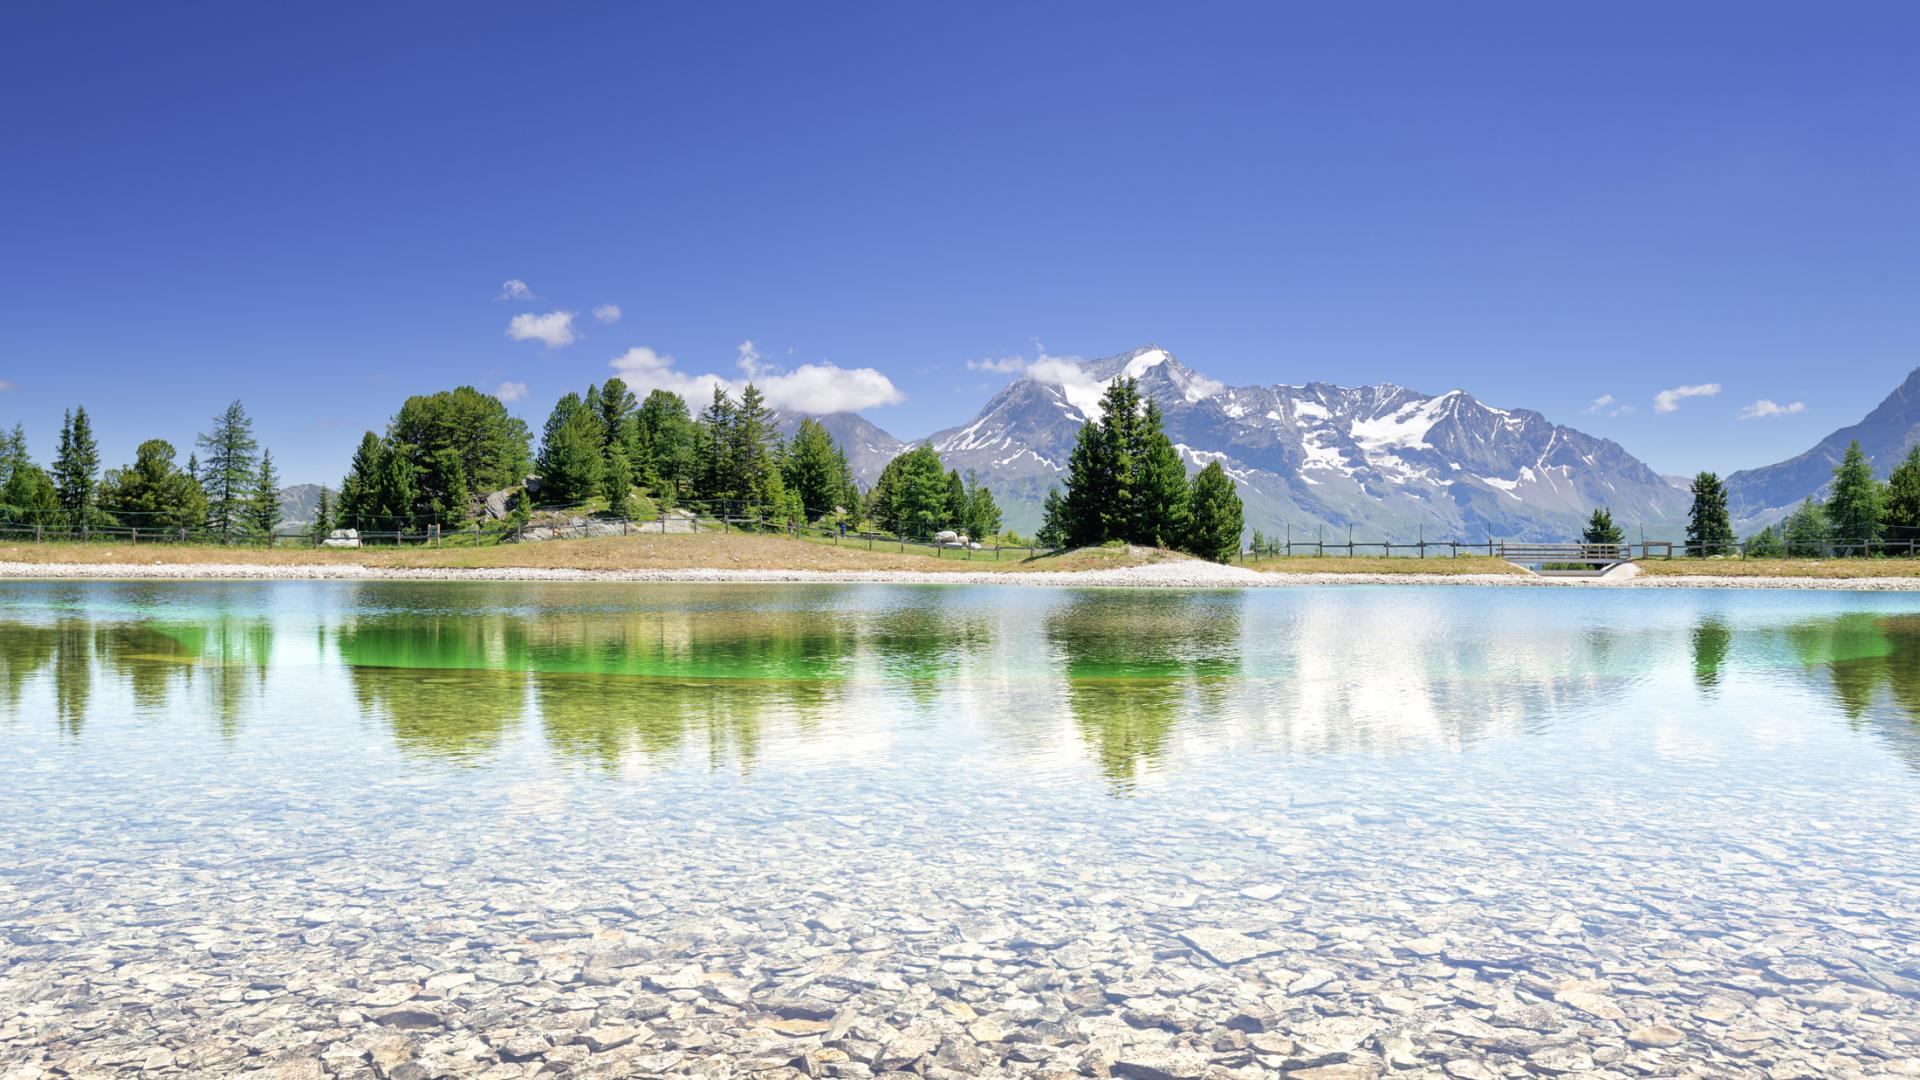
(342, 538)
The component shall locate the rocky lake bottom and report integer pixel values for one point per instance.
(310, 829)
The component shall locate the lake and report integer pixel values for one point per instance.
(414, 830)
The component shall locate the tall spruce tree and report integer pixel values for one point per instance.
(263, 501)
(228, 472)
(666, 429)
(1709, 530)
(956, 511)
(714, 453)
(76, 471)
(1160, 491)
(1854, 502)
(354, 510)
(572, 462)
(752, 444)
(812, 468)
(619, 482)
(1218, 517)
(1053, 521)
(983, 514)
(322, 517)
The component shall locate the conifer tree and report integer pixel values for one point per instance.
(619, 483)
(1804, 533)
(1053, 521)
(751, 445)
(572, 461)
(716, 472)
(1601, 529)
(322, 516)
(666, 430)
(956, 501)
(1218, 517)
(263, 501)
(357, 492)
(813, 469)
(1764, 544)
(1901, 511)
(228, 475)
(1854, 503)
(1160, 492)
(153, 492)
(76, 471)
(1709, 530)
(983, 514)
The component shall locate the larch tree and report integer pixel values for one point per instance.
(227, 474)
(1854, 502)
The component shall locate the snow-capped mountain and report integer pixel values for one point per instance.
(1758, 496)
(1388, 460)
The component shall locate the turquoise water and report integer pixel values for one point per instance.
(1710, 785)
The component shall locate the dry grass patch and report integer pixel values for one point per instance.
(1335, 564)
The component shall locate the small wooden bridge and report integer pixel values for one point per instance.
(1566, 560)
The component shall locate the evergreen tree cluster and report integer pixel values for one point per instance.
(1125, 481)
(917, 497)
(440, 456)
(1858, 512)
(235, 494)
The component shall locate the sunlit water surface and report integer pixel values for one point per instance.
(285, 825)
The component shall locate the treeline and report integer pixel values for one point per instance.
(1859, 512)
(1125, 481)
(234, 492)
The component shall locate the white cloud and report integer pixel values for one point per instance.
(1764, 408)
(607, 313)
(515, 289)
(554, 329)
(809, 388)
(510, 391)
(1667, 401)
(6, 386)
(1605, 405)
(746, 357)
(1006, 365)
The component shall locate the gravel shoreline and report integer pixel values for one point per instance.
(1168, 575)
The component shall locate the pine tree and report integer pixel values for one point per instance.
(153, 492)
(956, 506)
(1901, 511)
(229, 471)
(1709, 530)
(1764, 544)
(76, 471)
(1854, 503)
(666, 430)
(812, 467)
(357, 492)
(572, 462)
(1053, 521)
(1804, 533)
(1160, 492)
(751, 445)
(619, 483)
(983, 514)
(396, 488)
(1601, 529)
(1218, 517)
(322, 517)
(714, 467)
(263, 501)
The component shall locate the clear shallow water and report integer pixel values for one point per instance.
(359, 828)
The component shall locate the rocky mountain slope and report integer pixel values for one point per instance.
(1761, 495)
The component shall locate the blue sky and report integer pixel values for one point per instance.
(314, 209)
